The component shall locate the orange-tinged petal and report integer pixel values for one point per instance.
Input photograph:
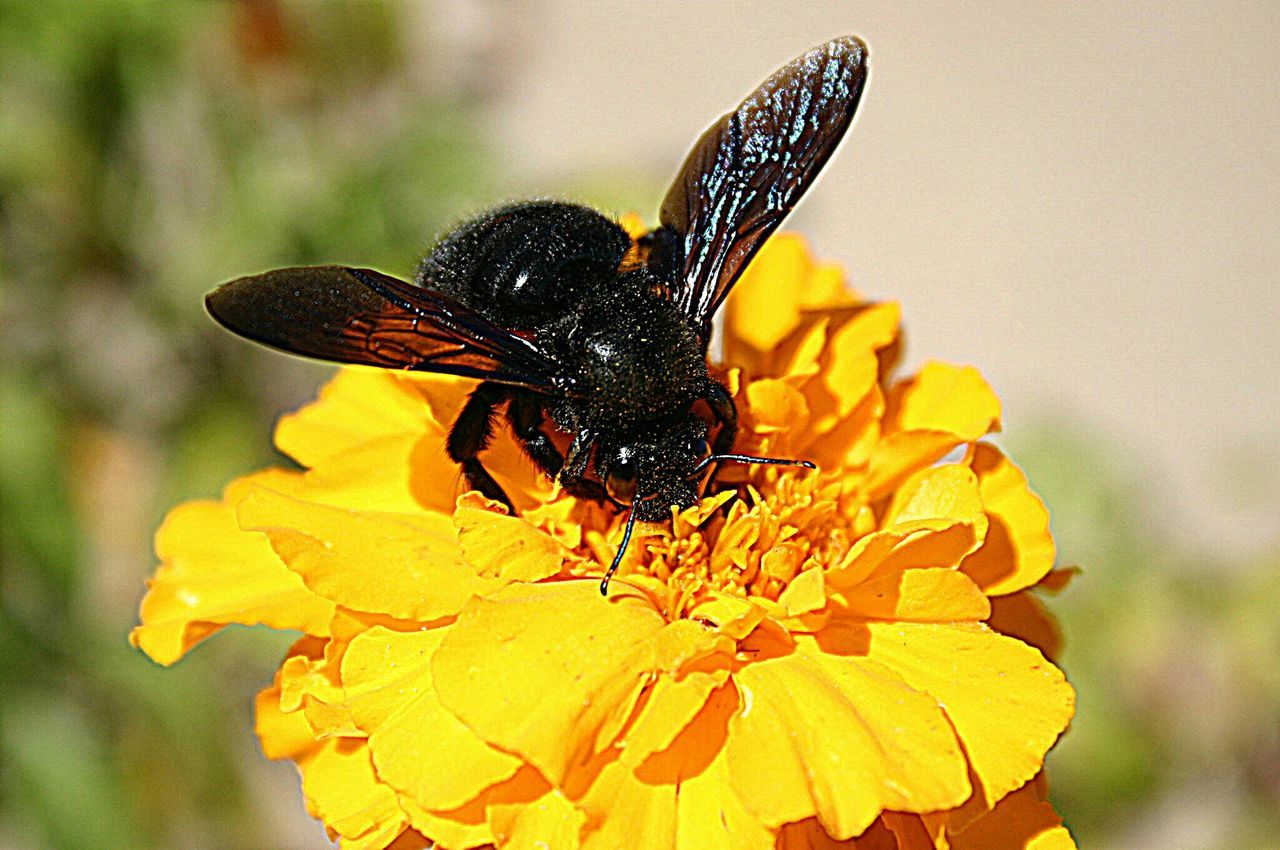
(1023, 616)
(1022, 820)
(920, 595)
(914, 832)
(404, 565)
(847, 442)
(419, 748)
(505, 547)
(1018, 550)
(840, 737)
(305, 685)
(1006, 702)
(808, 834)
(408, 840)
(800, 356)
(213, 574)
(549, 672)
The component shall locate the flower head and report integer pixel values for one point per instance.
(802, 659)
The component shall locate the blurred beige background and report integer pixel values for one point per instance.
(1083, 199)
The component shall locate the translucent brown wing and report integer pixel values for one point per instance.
(749, 169)
(350, 315)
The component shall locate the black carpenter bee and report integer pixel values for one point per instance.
(569, 325)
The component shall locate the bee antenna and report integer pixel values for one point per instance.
(622, 547)
(772, 461)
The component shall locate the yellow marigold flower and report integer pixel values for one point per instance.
(840, 658)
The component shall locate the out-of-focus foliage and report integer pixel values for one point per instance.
(149, 151)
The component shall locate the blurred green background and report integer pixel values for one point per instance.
(151, 150)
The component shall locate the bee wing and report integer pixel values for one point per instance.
(751, 167)
(350, 315)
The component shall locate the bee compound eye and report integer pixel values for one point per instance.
(621, 483)
(700, 449)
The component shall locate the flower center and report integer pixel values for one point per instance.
(753, 545)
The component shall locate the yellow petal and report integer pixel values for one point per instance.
(549, 672)
(671, 706)
(418, 747)
(679, 798)
(358, 406)
(943, 397)
(306, 685)
(940, 408)
(458, 829)
(806, 592)
(935, 520)
(282, 735)
(709, 815)
(853, 364)
(391, 474)
(1006, 702)
(730, 615)
(405, 565)
(799, 357)
(500, 546)
(942, 492)
(776, 406)
(762, 311)
(549, 822)
(212, 574)
(1018, 550)
(339, 782)
(918, 595)
(650, 811)
(840, 737)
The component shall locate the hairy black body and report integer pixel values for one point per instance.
(637, 365)
(568, 325)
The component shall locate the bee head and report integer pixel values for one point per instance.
(657, 469)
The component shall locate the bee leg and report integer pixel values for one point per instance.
(573, 475)
(527, 419)
(470, 435)
(723, 408)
